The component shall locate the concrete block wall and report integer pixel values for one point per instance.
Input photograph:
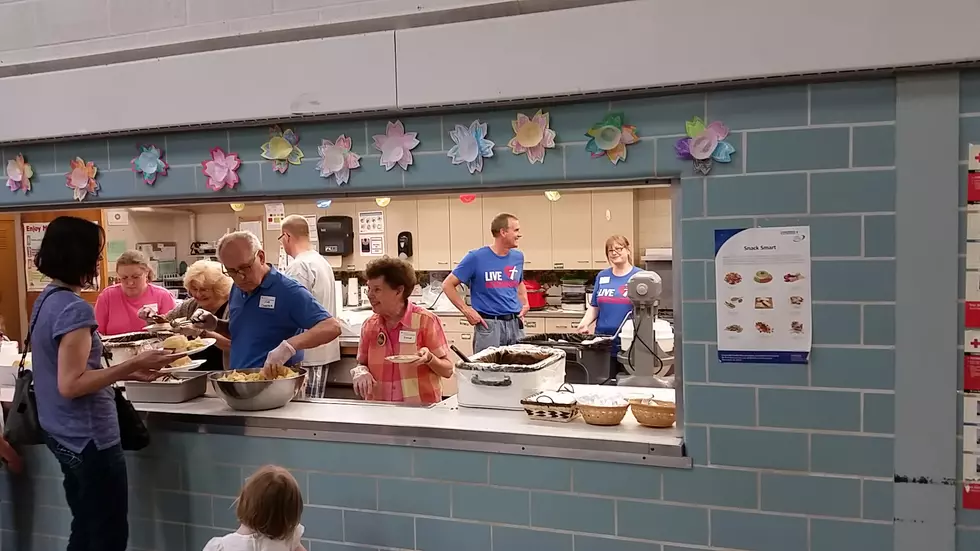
(786, 457)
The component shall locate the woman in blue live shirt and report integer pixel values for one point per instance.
(610, 305)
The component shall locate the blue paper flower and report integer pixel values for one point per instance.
(149, 164)
(472, 146)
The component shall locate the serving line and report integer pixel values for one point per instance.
(442, 426)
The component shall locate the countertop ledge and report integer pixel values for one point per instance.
(443, 426)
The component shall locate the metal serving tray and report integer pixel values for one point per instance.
(192, 385)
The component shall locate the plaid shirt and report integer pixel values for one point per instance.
(412, 383)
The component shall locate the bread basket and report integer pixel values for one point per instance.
(654, 413)
(602, 412)
(542, 406)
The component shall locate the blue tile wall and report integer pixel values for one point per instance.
(786, 457)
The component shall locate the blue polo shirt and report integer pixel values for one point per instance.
(278, 309)
(493, 280)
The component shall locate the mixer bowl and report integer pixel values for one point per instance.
(257, 395)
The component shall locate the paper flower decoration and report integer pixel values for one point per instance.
(396, 145)
(149, 164)
(81, 178)
(472, 146)
(704, 144)
(610, 137)
(532, 136)
(282, 149)
(221, 169)
(337, 160)
(19, 174)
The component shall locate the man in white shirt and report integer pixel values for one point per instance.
(312, 271)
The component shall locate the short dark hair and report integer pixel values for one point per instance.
(394, 271)
(70, 250)
(500, 223)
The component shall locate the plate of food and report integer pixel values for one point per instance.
(197, 345)
(183, 364)
(762, 276)
(404, 358)
(180, 343)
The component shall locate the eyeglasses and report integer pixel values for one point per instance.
(617, 250)
(242, 271)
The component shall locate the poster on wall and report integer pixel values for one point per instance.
(762, 285)
(254, 226)
(371, 222)
(373, 245)
(311, 222)
(33, 235)
(971, 337)
(274, 214)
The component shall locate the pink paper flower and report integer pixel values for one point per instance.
(337, 160)
(396, 145)
(221, 169)
(532, 136)
(81, 178)
(19, 174)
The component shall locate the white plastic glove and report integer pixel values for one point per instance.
(364, 382)
(202, 319)
(280, 355)
(146, 312)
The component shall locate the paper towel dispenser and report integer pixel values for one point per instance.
(336, 235)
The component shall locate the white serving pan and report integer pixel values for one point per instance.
(491, 379)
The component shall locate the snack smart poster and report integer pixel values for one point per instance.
(762, 285)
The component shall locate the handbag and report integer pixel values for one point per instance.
(133, 433)
(22, 427)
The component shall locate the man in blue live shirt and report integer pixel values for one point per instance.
(271, 317)
(495, 277)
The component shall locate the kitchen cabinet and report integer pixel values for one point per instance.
(401, 215)
(466, 228)
(432, 245)
(561, 325)
(613, 213)
(534, 213)
(571, 231)
(534, 326)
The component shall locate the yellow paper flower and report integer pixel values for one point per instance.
(532, 136)
(81, 178)
(282, 149)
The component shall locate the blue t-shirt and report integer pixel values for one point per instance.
(609, 296)
(72, 422)
(280, 308)
(493, 280)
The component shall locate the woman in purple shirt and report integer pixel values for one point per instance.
(75, 400)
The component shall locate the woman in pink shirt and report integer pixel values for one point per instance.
(117, 307)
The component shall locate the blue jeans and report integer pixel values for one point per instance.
(496, 333)
(96, 492)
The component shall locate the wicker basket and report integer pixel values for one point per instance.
(605, 416)
(550, 411)
(655, 414)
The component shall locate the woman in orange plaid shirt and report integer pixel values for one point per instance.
(403, 355)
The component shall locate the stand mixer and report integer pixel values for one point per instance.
(645, 361)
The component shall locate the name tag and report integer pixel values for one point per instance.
(152, 307)
(267, 302)
(407, 337)
(603, 280)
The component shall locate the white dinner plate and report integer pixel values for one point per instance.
(403, 358)
(207, 344)
(193, 365)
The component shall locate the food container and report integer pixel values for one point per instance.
(126, 346)
(257, 395)
(656, 414)
(500, 377)
(557, 406)
(604, 411)
(590, 356)
(186, 386)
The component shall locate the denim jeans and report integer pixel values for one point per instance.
(496, 333)
(96, 492)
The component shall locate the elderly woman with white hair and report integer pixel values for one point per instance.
(209, 288)
(272, 319)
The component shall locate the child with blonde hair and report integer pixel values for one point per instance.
(269, 509)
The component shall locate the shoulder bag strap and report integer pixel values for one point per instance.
(30, 330)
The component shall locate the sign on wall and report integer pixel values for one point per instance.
(33, 235)
(762, 285)
(971, 338)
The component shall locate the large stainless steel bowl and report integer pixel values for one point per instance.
(257, 395)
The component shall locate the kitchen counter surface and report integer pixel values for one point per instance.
(444, 425)
(547, 313)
